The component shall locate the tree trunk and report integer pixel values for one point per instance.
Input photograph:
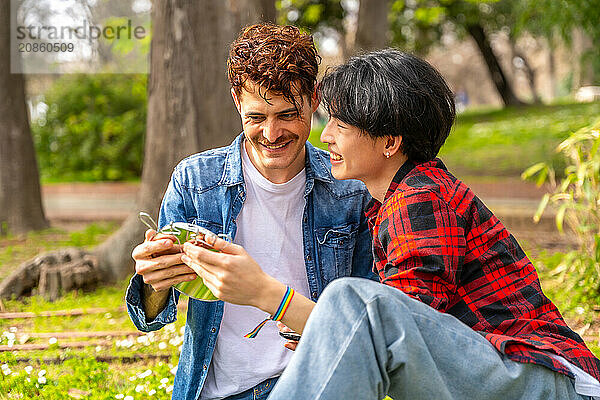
(530, 73)
(372, 29)
(496, 73)
(189, 105)
(20, 198)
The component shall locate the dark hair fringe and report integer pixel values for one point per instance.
(389, 92)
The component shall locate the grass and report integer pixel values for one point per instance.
(80, 374)
(17, 249)
(504, 142)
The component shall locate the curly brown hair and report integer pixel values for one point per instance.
(280, 59)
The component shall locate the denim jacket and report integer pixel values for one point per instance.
(208, 189)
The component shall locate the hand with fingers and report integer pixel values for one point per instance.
(158, 261)
(289, 344)
(233, 276)
(229, 272)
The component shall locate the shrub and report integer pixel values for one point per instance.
(577, 201)
(93, 128)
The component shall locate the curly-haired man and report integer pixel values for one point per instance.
(274, 194)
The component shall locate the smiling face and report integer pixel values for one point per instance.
(276, 133)
(353, 155)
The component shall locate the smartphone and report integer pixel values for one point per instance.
(290, 335)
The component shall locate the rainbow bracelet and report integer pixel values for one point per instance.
(283, 306)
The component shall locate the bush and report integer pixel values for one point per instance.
(93, 128)
(577, 200)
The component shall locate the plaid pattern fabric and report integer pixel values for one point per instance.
(437, 242)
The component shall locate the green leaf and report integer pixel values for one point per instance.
(560, 217)
(541, 207)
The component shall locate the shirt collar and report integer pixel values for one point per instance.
(233, 175)
(373, 206)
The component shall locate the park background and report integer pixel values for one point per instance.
(82, 153)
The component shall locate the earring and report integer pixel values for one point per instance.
(387, 154)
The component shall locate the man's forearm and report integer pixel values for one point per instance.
(154, 302)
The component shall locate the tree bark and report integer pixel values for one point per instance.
(20, 198)
(372, 26)
(189, 105)
(495, 69)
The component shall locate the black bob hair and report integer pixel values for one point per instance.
(391, 93)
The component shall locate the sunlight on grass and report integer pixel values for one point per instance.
(17, 249)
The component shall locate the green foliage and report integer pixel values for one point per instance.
(312, 15)
(577, 200)
(93, 129)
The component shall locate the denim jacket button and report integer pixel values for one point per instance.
(314, 295)
(308, 258)
(213, 330)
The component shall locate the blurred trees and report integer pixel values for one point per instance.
(93, 128)
(418, 25)
(189, 103)
(20, 197)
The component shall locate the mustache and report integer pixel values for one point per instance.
(279, 140)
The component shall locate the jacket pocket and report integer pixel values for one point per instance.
(335, 248)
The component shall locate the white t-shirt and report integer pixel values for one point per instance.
(269, 227)
(585, 384)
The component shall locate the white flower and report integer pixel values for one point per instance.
(42, 380)
(128, 398)
(164, 380)
(6, 369)
(10, 335)
(98, 348)
(169, 389)
(42, 373)
(174, 370)
(108, 315)
(579, 310)
(182, 330)
(139, 388)
(52, 340)
(162, 345)
(145, 374)
(152, 392)
(13, 329)
(28, 369)
(28, 380)
(132, 378)
(119, 396)
(143, 340)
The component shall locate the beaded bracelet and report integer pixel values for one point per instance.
(283, 306)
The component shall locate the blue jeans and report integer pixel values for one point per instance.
(258, 392)
(365, 340)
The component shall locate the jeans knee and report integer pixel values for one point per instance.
(351, 288)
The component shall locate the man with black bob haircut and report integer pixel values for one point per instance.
(460, 314)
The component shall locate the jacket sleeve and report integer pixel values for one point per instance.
(424, 243)
(172, 209)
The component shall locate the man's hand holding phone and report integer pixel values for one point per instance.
(158, 261)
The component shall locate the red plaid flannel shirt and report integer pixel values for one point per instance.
(437, 242)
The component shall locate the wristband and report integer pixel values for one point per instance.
(283, 306)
